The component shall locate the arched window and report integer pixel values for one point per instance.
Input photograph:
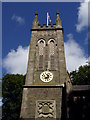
(41, 45)
(51, 53)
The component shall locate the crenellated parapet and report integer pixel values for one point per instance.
(37, 26)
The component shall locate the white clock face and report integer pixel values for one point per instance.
(46, 76)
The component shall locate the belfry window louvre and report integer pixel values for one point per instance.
(46, 57)
(41, 45)
(51, 54)
(52, 61)
(40, 61)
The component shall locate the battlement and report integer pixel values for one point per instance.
(36, 24)
(46, 27)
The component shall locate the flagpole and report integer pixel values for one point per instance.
(47, 18)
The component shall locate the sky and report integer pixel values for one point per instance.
(17, 18)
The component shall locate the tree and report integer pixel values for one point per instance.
(12, 96)
(82, 76)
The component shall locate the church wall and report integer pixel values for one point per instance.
(42, 94)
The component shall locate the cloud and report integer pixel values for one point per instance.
(82, 16)
(0, 101)
(18, 19)
(74, 54)
(16, 61)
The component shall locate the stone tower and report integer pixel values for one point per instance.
(46, 77)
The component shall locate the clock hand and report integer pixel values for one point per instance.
(47, 76)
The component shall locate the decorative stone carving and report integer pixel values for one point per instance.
(45, 109)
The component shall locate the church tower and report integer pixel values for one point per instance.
(46, 73)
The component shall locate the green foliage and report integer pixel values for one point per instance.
(82, 76)
(12, 96)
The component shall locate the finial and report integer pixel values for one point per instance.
(58, 20)
(57, 12)
(36, 13)
(35, 22)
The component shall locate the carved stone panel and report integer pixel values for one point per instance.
(45, 109)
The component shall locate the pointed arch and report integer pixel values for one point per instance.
(51, 44)
(41, 46)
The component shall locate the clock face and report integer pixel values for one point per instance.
(46, 76)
